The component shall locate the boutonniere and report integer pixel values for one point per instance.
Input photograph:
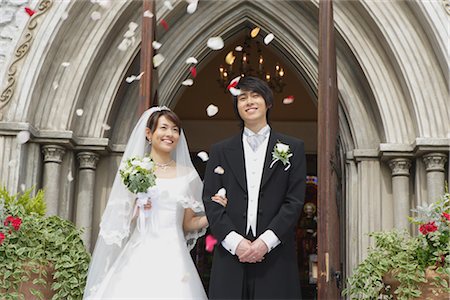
(281, 152)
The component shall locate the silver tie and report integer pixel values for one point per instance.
(255, 140)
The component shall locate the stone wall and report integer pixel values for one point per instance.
(13, 19)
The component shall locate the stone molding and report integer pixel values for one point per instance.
(88, 160)
(21, 51)
(400, 166)
(53, 153)
(435, 162)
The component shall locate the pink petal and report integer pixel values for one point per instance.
(193, 71)
(288, 100)
(210, 242)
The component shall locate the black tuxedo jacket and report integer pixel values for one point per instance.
(280, 203)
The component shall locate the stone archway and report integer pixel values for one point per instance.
(392, 102)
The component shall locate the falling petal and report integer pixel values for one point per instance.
(12, 163)
(203, 155)
(139, 76)
(238, 48)
(96, 15)
(234, 91)
(79, 112)
(29, 11)
(148, 14)
(164, 24)
(55, 85)
(104, 3)
(212, 110)
(210, 242)
(268, 38)
(222, 192)
(123, 46)
(133, 26)
(23, 136)
(288, 100)
(254, 32)
(70, 176)
(106, 127)
(65, 15)
(191, 60)
(130, 79)
(22, 187)
(229, 59)
(192, 7)
(128, 34)
(157, 60)
(219, 170)
(193, 71)
(188, 82)
(65, 64)
(156, 45)
(215, 43)
(168, 5)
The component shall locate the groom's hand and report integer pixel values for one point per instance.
(243, 247)
(256, 252)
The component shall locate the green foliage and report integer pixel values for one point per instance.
(406, 258)
(24, 203)
(138, 174)
(40, 241)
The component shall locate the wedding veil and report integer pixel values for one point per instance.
(115, 225)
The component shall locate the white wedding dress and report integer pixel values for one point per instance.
(156, 264)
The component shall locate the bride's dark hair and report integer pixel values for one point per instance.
(170, 115)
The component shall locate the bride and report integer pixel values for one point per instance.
(152, 261)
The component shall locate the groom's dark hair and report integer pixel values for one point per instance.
(254, 84)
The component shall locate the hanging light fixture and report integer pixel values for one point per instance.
(240, 62)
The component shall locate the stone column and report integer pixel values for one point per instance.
(85, 194)
(53, 155)
(400, 191)
(435, 167)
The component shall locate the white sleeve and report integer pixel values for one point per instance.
(231, 241)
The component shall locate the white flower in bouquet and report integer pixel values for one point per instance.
(138, 174)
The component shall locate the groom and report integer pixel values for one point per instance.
(264, 179)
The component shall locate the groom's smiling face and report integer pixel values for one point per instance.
(252, 107)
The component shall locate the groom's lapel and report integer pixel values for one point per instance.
(267, 171)
(234, 154)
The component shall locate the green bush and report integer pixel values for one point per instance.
(31, 240)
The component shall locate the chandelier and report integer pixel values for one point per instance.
(248, 60)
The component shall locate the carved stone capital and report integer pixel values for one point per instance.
(88, 160)
(435, 162)
(53, 153)
(400, 166)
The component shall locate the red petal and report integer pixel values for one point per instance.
(29, 11)
(210, 243)
(193, 71)
(164, 24)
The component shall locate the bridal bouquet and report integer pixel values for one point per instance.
(138, 175)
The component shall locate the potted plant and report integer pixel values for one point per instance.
(401, 266)
(40, 257)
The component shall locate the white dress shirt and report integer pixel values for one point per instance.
(254, 164)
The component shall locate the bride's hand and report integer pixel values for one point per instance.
(148, 205)
(219, 199)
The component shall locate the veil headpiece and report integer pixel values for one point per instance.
(115, 225)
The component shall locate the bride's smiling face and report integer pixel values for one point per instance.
(165, 136)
